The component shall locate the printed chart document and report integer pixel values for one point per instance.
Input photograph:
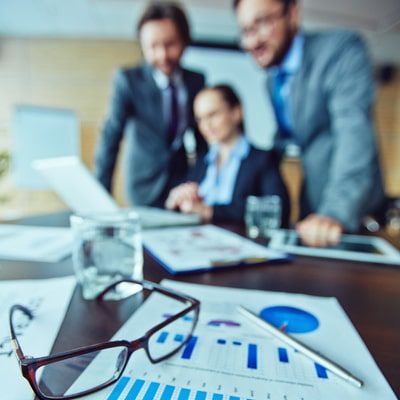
(48, 299)
(34, 243)
(199, 248)
(229, 358)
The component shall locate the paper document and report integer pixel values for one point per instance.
(34, 243)
(204, 247)
(48, 299)
(228, 358)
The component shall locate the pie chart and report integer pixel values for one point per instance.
(292, 319)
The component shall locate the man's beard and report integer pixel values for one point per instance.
(283, 50)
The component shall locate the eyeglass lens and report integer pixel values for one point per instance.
(108, 365)
(167, 340)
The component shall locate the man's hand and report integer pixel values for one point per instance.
(320, 231)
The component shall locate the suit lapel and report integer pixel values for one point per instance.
(269, 83)
(153, 98)
(297, 100)
(294, 104)
(191, 90)
(242, 179)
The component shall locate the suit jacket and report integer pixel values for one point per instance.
(151, 165)
(330, 103)
(258, 175)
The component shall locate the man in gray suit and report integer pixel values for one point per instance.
(322, 91)
(151, 106)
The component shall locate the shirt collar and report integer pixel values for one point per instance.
(293, 58)
(162, 80)
(239, 151)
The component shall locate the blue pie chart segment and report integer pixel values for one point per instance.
(294, 319)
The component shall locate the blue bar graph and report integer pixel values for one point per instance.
(200, 395)
(184, 394)
(118, 389)
(235, 343)
(163, 337)
(252, 356)
(221, 341)
(321, 371)
(188, 351)
(135, 390)
(283, 355)
(151, 391)
(167, 393)
(178, 338)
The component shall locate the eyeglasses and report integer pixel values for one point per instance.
(213, 115)
(262, 26)
(44, 374)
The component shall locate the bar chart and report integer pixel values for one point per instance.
(257, 357)
(135, 389)
(241, 367)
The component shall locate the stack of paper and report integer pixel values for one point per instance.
(33, 243)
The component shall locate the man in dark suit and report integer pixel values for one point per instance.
(322, 91)
(151, 106)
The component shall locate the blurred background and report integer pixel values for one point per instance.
(57, 59)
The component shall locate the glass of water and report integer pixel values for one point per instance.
(263, 215)
(270, 215)
(251, 217)
(107, 248)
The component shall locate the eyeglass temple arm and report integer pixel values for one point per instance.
(101, 295)
(149, 286)
(13, 335)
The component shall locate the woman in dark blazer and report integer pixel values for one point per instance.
(232, 169)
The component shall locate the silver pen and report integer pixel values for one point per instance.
(302, 348)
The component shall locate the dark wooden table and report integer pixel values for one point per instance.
(369, 293)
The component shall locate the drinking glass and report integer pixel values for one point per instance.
(393, 220)
(107, 248)
(262, 215)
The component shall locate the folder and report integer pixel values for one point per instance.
(204, 248)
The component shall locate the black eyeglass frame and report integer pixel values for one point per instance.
(29, 365)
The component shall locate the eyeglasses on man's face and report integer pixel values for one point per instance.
(45, 373)
(261, 26)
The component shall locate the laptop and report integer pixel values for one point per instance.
(82, 192)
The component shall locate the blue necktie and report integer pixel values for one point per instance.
(174, 114)
(279, 103)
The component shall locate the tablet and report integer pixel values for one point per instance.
(351, 247)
